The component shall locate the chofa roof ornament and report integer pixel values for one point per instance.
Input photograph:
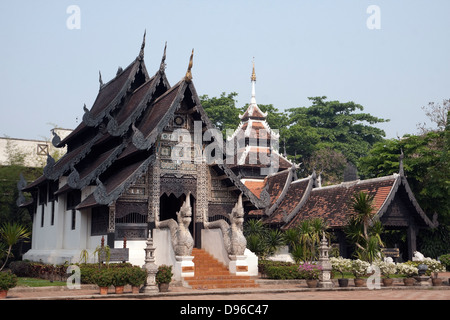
(188, 76)
(141, 53)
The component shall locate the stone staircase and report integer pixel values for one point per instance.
(211, 274)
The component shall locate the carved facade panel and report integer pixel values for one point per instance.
(178, 186)
(397, 213)
(124, 208)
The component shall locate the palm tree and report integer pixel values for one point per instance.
(274, 241)
(11, 234)
(362, 204)
(362, 229)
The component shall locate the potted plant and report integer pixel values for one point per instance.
(311, 273)
(387, 269)
(434, 267)
(341, 265)
(120, 279)
(136, 278)
(163, 277)
(409, 271)
(8, 280)
(359, 270)
(103, 278)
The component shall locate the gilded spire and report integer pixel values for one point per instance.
(188, 76)
(253, 78)
(253, 72)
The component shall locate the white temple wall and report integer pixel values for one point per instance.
(136, 251)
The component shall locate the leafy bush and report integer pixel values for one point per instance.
(283, 272)
(359, 268)
(137, 276)
(264, 264)
(386, 268)
(120, 276)
(309, 271)
(8, 280)
(103, 277)
(407, 269)
(445, 260)
(164, 274)
(341, 265)
(20, 268)
(432, 265)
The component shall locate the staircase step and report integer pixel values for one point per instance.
(210, 273)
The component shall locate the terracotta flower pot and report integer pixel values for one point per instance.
(3, 294)
(359, 282)
(311, 283)
(436, 281)
(409, 281)
(135, 289)
(103, 290)
(119, 289)
(163, 287)
(387, 282)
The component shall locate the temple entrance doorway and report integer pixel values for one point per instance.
(170, 205)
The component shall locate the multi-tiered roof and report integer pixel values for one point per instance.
(256, 142)
(115, 143)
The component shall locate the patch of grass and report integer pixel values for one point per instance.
(36, 282)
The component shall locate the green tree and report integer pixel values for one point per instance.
(362, 230)
(11, 234)
(336, 125)
(304, 239)
(222, 111)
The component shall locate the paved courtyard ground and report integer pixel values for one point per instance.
(267, 290)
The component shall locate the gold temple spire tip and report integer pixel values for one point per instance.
(188, 76)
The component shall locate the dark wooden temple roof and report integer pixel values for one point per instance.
(113, 146)
(294, 200)
(332, 203)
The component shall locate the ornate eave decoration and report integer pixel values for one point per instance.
(50, 171)
(101, 195)
(74, 180)
(145, 143)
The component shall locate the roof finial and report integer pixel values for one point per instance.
(188, 76)
(162, 66)
(100, 79)
(253, 78)
(141, 53)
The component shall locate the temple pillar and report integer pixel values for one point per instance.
(411, 235)
(201, 213)
(154, 194)
(112, 225)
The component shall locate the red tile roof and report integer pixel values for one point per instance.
(332, 203)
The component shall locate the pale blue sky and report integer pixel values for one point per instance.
(301, 49)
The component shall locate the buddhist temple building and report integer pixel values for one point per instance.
(138, 166)
(132, 171)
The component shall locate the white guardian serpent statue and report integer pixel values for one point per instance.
(182, 240)
(233, 235)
